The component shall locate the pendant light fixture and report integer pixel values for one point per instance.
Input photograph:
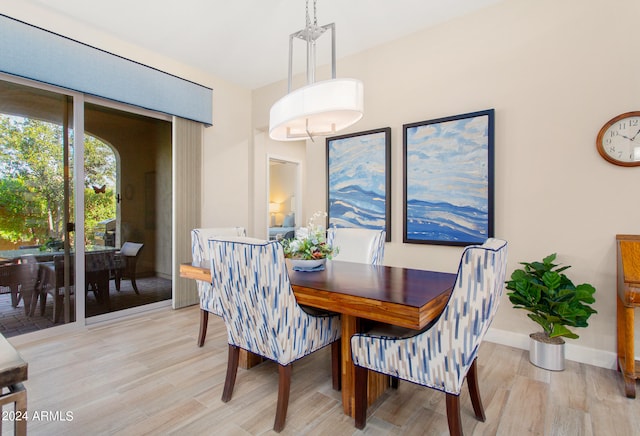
(319, 108)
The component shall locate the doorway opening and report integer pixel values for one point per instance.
(283, 184)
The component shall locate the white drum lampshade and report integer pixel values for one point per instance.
(321, 108)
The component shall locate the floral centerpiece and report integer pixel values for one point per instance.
(310, 243)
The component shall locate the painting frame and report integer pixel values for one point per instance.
(364, 158)
(448, 179)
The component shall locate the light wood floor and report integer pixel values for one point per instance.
(145, 375)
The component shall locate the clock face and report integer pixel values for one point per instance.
(619, 140)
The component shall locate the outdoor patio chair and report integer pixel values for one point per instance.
(53, 283)
(98, 266)
(126, 260)
(21, 279)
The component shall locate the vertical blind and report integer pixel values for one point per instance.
(34, 53)
(187, 198)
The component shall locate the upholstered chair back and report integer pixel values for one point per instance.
(357, 245)
(200, 257)
(131, 249)
(200, 241)
(258, 305)
(440, 357)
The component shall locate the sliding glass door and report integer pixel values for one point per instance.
(127, 209)
(37, 236)
(121, 239)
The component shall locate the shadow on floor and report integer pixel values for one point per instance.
(13, 321)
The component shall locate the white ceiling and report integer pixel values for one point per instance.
(247, 41)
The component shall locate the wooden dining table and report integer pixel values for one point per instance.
(403, 297)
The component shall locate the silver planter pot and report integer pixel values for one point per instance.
(545, 352)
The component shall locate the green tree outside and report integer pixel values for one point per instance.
(32, 181)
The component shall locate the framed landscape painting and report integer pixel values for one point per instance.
(358, 180)
(448, 179)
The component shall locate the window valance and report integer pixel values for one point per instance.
(34, 53)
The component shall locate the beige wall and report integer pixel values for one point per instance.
(555, 72)
(227, 159)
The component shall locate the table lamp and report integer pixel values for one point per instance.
(274, 208)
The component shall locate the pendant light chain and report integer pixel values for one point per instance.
(306, 10)
(315, 14)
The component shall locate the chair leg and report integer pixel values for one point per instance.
(453, 415)
(118, 282)
(106, 297)
(474, 391)
(34, 301)
(336, 365)
(133, 283)
(43, 303)
(27, 297)
(360, 392)
(15, 296)
(232, 370)
(284, 387)
(57, 307)
(204, 321)
(395, 382)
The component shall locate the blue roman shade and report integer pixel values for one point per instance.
(34, 53)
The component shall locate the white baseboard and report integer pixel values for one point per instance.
(577, 353)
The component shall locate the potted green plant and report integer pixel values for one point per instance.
(555, 303)
(309, 250)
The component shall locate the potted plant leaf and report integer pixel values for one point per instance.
(555, 303)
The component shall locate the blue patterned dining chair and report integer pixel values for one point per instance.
(200, 257)
(357, 245)
(262, 315)
(441, 356)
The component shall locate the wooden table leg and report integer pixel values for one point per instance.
(248, 359)
(349, 328)
(377, 383)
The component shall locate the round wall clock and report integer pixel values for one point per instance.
(619, 140)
